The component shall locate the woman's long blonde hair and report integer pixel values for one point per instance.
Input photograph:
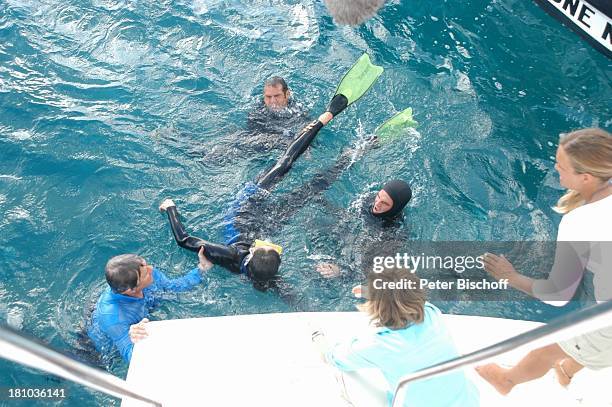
(590, 152)
(394, 308)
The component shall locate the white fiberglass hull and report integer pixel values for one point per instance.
(268, 360)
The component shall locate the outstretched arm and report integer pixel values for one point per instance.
(219, 254)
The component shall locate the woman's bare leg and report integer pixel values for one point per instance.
(535, 365)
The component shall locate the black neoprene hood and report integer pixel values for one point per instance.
(400, 193)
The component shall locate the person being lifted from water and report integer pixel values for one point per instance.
(242, 253)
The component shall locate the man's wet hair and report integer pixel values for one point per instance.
(277, 81)
(122, 272)
(264, 264)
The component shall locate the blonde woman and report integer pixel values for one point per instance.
(584, 163)
(411, 335)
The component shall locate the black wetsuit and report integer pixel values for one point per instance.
(350, 237)
(233, 253)
(283, 122)
(241, 229)
(356, 237)
(268, 131)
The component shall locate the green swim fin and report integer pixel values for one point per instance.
(394, 127)
(355, 83)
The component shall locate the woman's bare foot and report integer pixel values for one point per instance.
(496, 376)
(563, 378)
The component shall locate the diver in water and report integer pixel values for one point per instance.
(378, 224)
(134, 289)
(271, 126)
(241, 253)
(278, 113)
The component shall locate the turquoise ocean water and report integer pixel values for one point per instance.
(109, 106)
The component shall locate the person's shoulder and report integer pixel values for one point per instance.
(158, 276)
(591, 209)
(431, 309)
(106, 300)
(108, 309)
(242, 245)
(587, 222)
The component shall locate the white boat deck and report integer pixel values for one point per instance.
(268, 360)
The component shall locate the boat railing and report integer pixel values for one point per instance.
(572, 324)
(20, 349)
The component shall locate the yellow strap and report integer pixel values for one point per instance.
(265, 243)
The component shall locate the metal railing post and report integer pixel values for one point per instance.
(15, 344)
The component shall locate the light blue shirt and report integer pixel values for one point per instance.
(399, 352)
(114, 313)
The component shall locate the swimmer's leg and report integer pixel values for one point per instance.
(293, 152)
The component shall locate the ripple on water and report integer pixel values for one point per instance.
(106, 108)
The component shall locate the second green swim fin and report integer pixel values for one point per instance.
(394, 127)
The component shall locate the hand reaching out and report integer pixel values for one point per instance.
(499, 267)
(328, 270)
(166, 204)
(204, 264)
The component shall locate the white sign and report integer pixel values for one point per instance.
(588, 18)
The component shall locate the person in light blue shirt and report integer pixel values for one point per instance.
(411, 335)
(135, 287)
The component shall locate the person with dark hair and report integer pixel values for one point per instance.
(276, 93)
(278, 114)
(270, 127)
(134, 288)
